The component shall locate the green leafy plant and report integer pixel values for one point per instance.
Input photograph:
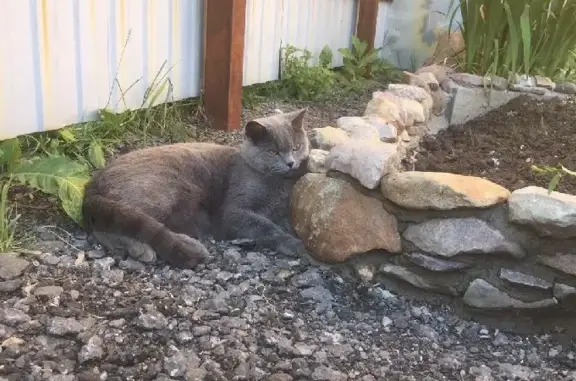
(303, 80)
(361, 64)
(8, 219)
(507, 37)
(556, 173)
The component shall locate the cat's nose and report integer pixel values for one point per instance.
(290, 164)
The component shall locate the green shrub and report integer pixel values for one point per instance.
(506, 37)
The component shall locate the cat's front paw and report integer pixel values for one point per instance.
(292, 247)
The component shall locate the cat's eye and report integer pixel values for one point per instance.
(296, 148)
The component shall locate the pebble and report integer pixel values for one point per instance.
(152, 320)
(93, 350)
(59, 326)
(13, 316)
(12, 266)
(49, 291)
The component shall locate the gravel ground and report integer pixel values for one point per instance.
(76, 314)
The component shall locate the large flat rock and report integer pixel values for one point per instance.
(481, 294)
(551, 215)
(471, 102)
(336, 222)
(441, 191)
(418, 281)
(457, 236)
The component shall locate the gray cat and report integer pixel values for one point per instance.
(161, 200)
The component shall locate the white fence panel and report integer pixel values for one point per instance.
(62, 60)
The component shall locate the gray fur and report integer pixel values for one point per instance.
(161, 200)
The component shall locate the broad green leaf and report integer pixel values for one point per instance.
(67, 135)
(58, 176)
(11, 152)
(96, 154)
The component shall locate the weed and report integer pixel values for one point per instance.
(8, 219)
(302, 80)
(557, 173)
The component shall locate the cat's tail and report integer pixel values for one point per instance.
(105, 215)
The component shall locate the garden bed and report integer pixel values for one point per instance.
(502, 145)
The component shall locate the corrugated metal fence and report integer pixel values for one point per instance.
(62, 60)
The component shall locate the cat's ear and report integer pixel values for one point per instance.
(298, 118)
(255, 131)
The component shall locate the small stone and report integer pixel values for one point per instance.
(96, 254)
(113, 277)
(13, 316)
(500, 340)
(522, 279)
(308, 278)
(50, 259)
(544, 82)
(118, 323)
(417, 280)
(59, 326)
(130, 264)
(457, 236)
(11, 285)
(551, 215)
(324, 373)
(48, 291)
(410, 110)
(175, 365)
(316, 160)
(481, 294)
(358, 128)
(336, 222)
(232, 255)
(366, 161)
(201, 330)
(387, 322)
(364, 271)
(74, 294)
(151, 320)
(562, 291)
(435, 264)
(528, 89)
(534, 359)
(92, 350)
(326, 138)
(318, 293)
(423, 330)
(441, 191)
(515, 372)
(103, 264)
(565, 263)
(280, 377)
(565, 88)
(11, 266)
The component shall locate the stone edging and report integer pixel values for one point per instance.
(454, 235)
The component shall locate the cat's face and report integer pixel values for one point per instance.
(276, 144)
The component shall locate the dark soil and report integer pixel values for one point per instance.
(502, 145)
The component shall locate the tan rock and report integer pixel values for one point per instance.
(441, 191)
(387, 110)
(414, 93)
(316, 160)
(411, 111)
(326, 138)
(336, 222)
(440, 72)
(544, 82)
(425, 80)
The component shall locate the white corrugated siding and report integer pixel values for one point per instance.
(62, 60)
(309, 24)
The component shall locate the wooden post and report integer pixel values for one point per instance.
(224, 25)
(367, 21)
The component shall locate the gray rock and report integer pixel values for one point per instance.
(516, 372)
(500, 340)
(551, 215)
(92, 350)
(11, 266)
(423, 330)
(50, 259)
(113, 277)
(358, 128)
(387, 132)
(481, 294)
(455, 236)
(562, 291)
(565, 88)
(151, 320)
(565, 263)
(435, 264)
(472, 80)
(366, 161)
(529, 89)
(130, 264)
(280, 377)
(49, 291)
(13, 316)
(310, 277)
(103, 264)
(324, 373)
(96, 254)
(59, 326)
(232, 255)
(318, 293)
(316, 161)
(417, 280)
(471, 103)
(11, 285)
(176, 364)
(481, 373)
(522, 279)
